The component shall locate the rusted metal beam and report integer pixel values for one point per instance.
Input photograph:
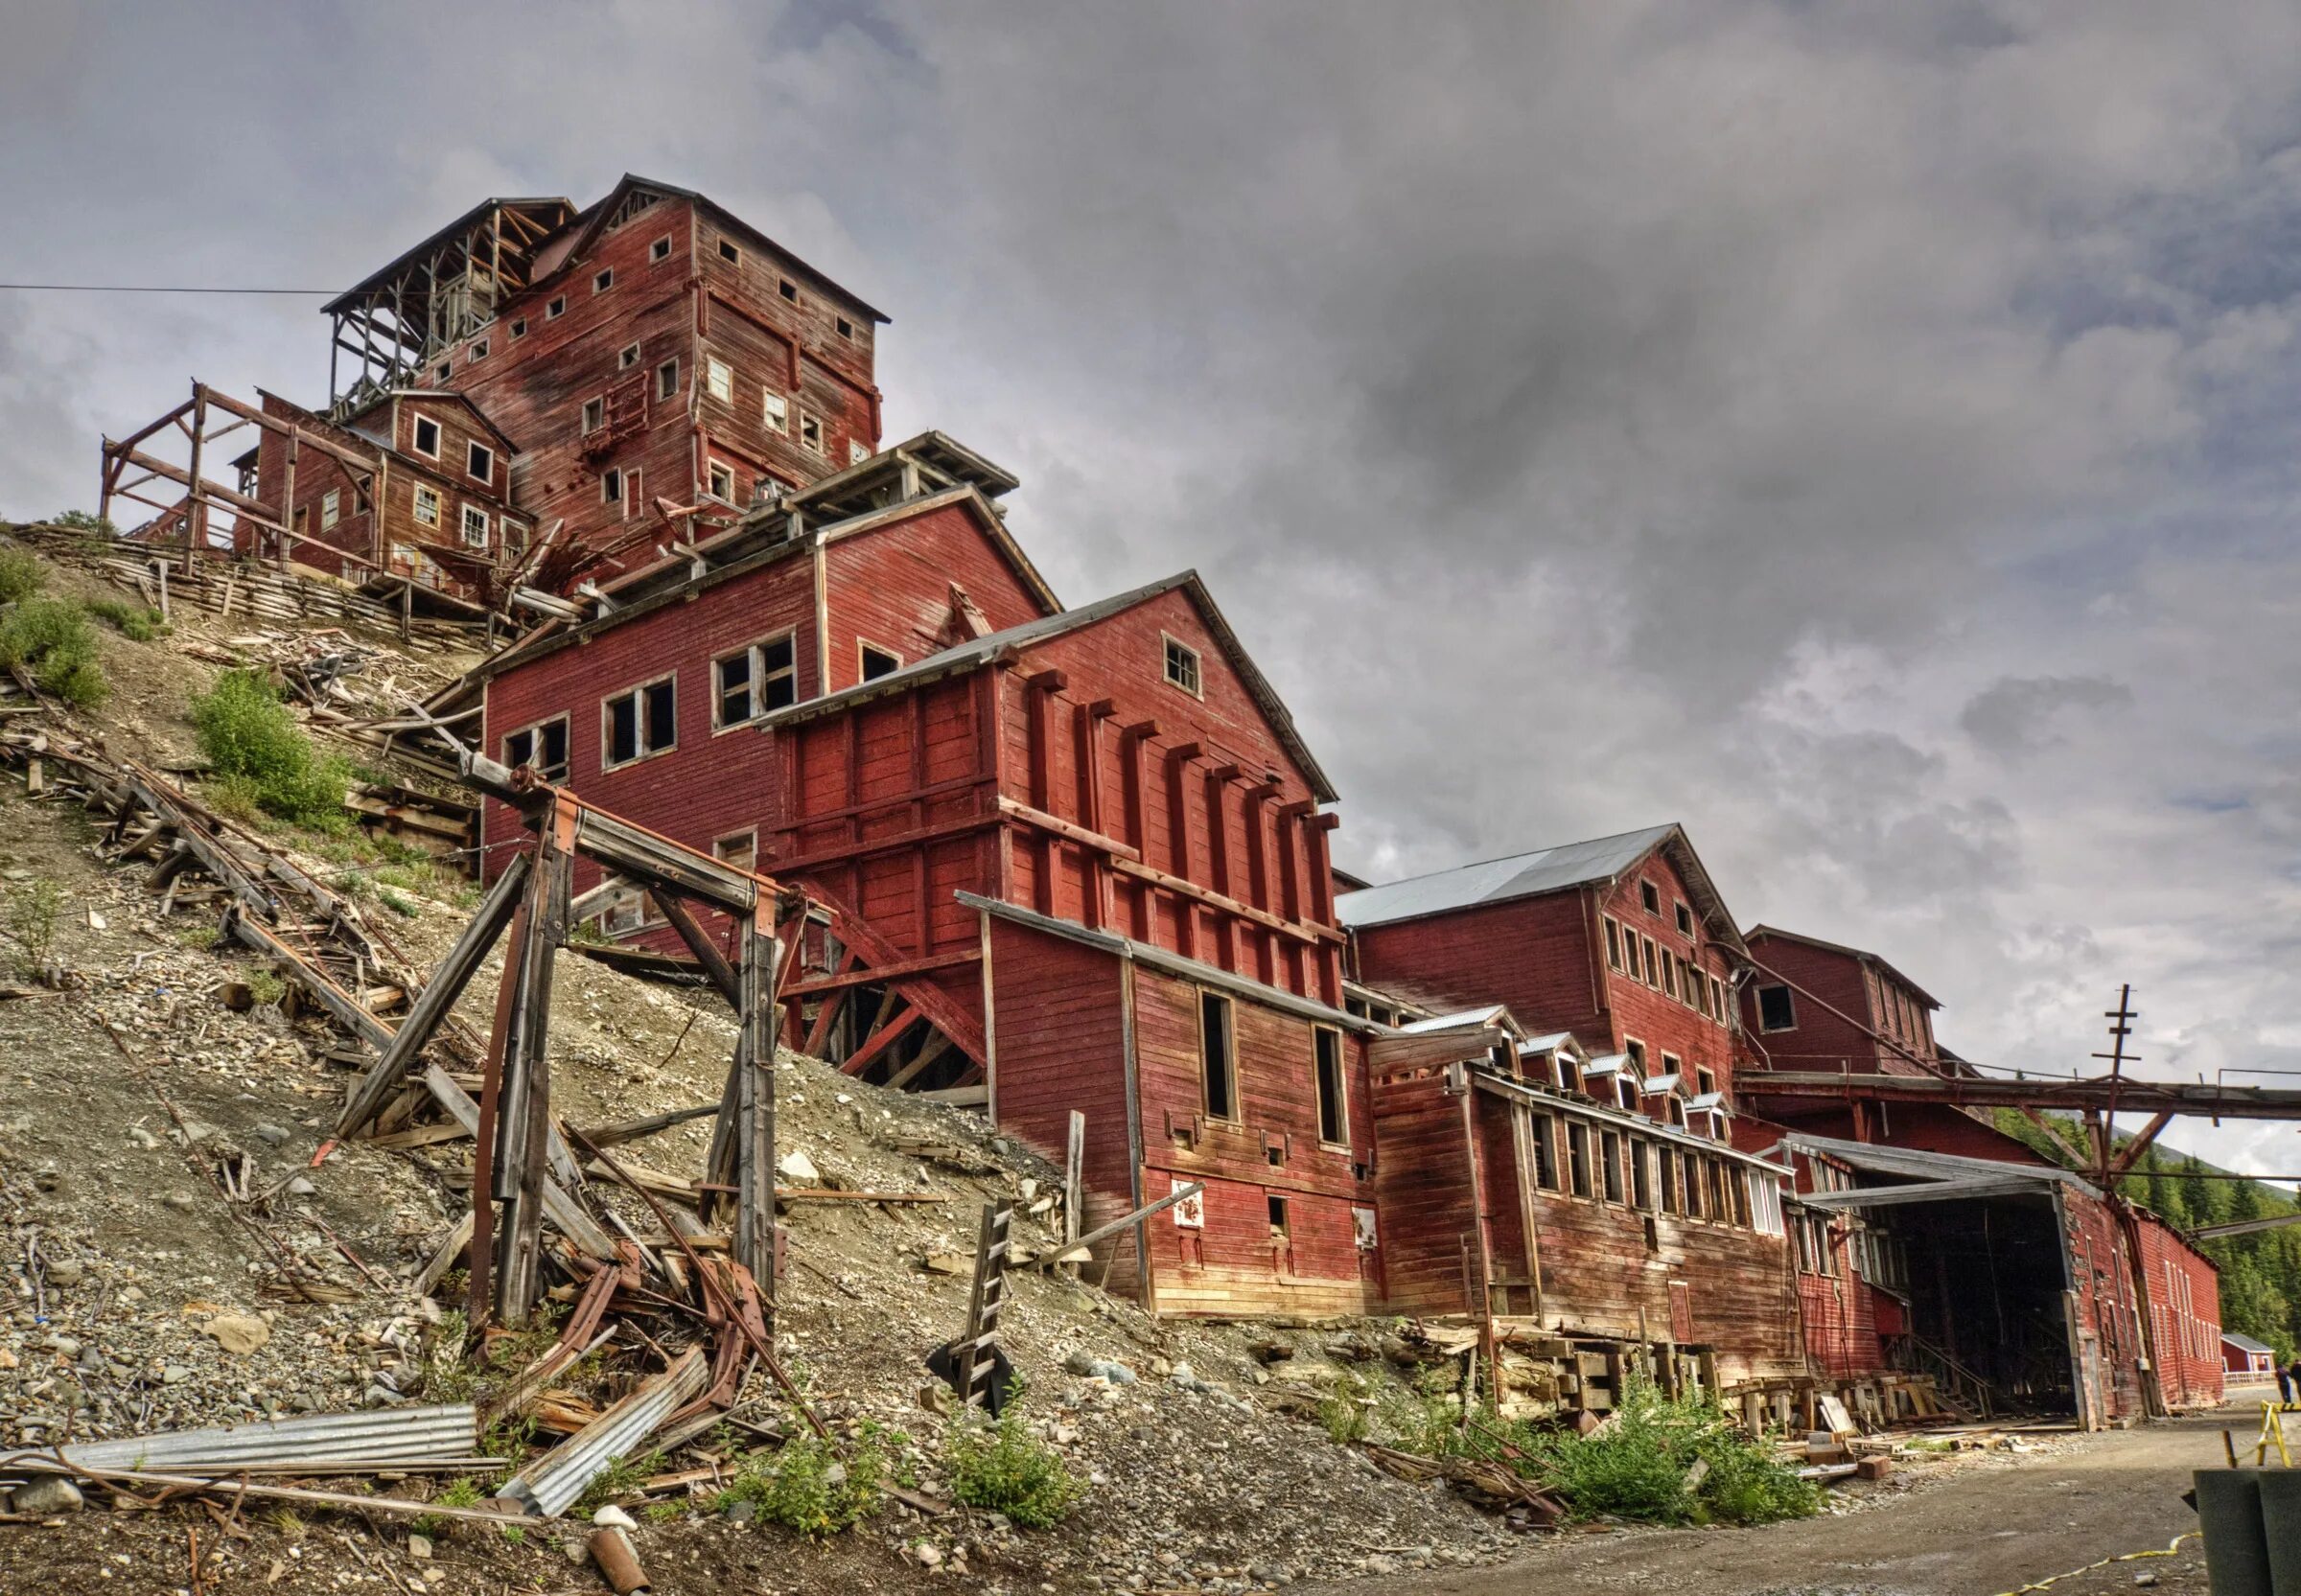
(2235, 1103)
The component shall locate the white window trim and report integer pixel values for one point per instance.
(585, 423)
(478, 352)
(671, 366)
(748, 834)
(714, 368)
(822, 443)
(415, 436)
(488, 475)
(607, 722)
(465, 517)
(555, 308)
(330, 509)
(774, 411)
(628, 357)
(752, 649)
(519, 327)
(434, 498)
(617, 472)
(659, 250)
(894, 654)
(1197, 658)
(603, 280)
(713, 468)
(1341, 1084)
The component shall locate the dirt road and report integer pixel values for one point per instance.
(1985, 1531)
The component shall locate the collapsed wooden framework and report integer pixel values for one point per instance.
(524, 1174)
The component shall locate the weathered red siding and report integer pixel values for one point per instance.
(2185, 1315)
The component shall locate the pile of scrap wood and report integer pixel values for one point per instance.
(1489, 1482)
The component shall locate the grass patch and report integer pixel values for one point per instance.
(263, 758)
(266, 988)
(32, 910)
(620, 1478)
(999, 1466)
(808, 1487)
(1635, 1467)
(459, 1493)
(198, 938)
(22, 574)
(50, 640)
(137, 622)
(398, 902)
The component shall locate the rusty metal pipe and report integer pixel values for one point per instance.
(611, 1549)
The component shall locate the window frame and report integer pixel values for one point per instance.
(730, 252)
(750, 653)
(519, 327)
(478, 352)
(593, 415)
(555, 308)
(1681, 915)
(1766, 1026)
(667, 381)
(1578, 1173)
(330, 509)
(845, 327)
(1168, 643)
(1653, 962)
(438, 500)
(629, 355)
(774, 411)
(1609, 1167)
(1322, 1097)
(714, 369)
(659, 250)
(787, 288)
(863, 649)
(415, 436)
(1229, 1112)
(713, 471)
(1613, 942)
(465, 514)
(1547, 1175)
(603, 280)
(811, 423)
(636, 690)
(1649, 898)
(749, 835)
(1642, 1195)
(566, 742)
(474, 450)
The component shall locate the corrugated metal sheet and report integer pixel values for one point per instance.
(1534, 1045)
(1485, 1016)
(379, 1435)
(550, 1484)
(1519, 876)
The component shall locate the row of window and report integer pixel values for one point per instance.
(1628, 1090)
(1642, 959)
(1604, 1165)
(643, 720)
(1219, 1072)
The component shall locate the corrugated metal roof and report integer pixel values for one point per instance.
(1496, 880)
(1461, 1017)
(1606, 1064)
(372, 1435)
(1551, 1043)
(1920, 1165)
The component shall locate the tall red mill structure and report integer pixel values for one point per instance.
(1073, 863)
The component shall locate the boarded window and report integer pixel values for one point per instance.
(1217, 1057)
(1774, 1010)
(481, 462)
(1641, 1176)
(331, 507)
(1546, 1151)
(719, 380)
(1577, 1159)
(877, 661)
(639, 723)
(741, 850)
(1673, 1194)
(427, 437)
(1326, 1060)
(1182, 666)
(544, 745)
(856, 452)
(1609, 1165)
(757, 682)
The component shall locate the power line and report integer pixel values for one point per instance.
(146, 288)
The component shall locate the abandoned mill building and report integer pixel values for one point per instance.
(1074, 864)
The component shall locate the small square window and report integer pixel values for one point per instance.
(788, 289)
(603, 280)
(741, 850)
(519, 326)
(427, 437)
(660, 249)
(427, 506)
(1649, 898)
(877, 661)
(666, 380)
(481, 463)
(730, 253)
(856, 452)
(478, 352)
(1182, 666)
(775, 412)
(594, 414)
(628, 359)
(445, 371)
(810, 432)
(722, 479)
(718, 379)
(1776, 1011)
(330, 508)
(556, 309)
(639, 723)
(475, 527)
(847, 328)
(1685, 920)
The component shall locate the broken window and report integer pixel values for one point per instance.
(610, 486)
(628, 357)
(1609, 1165)
(1218, 1060)
(1705, 1079)
(1717, 1002)
(1577, 1159)
(1626, 1093)
(1691, 1166)
(427, 437)
(756, 681)
(556, 309)
(721, 478)
(594, 414)
(666, 380)
(1673, 1192)
(1642, 1177)
(810, 431)
(847, 328)
(775, 412)
(1653, 961)
(1685, 920)
(445, 371)
(877, 661)
(728, 253)
(788, 289)
(603, 280)
(740, 850)
(519, 326)
(481, 463)
(719, 380)
(1614, 945)
(1182, 666)
(330, 508)
(427, 506)
(1546, 1151)
(1669, 973)
(660, 249)
(639, 723)
(475, 527)
(1774, 1010)
(478, 352)
(1326, 1063)
(1650, 896)
(1279, 1228)
(856, 452)
(543, 745)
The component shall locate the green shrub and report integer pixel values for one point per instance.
(1343, 1411)
(806, 1485)
(1635, 1467)
(398, 902)
(620, 1478)
(266, 988)
(50, 639)
(998, 1465)
(22, 574)
(135, 621)
(31, 923)
(250, 739)
(79, 520)
(460, 1493)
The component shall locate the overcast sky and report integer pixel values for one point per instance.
(1861, 432)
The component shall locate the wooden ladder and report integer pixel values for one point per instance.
(971, 1354)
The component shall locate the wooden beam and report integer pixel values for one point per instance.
(880, 1041)
(861, 977)
(721, 974)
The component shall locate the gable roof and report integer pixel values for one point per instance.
(385, 396)
(1772, 931)
(979, 651)
(595, 217)
(2246, 1343)
(1600, 861)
